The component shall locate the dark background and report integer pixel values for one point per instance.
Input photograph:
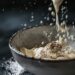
(15, 13)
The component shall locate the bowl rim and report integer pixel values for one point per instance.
(41, 60)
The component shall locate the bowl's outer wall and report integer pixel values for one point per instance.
(41, 68)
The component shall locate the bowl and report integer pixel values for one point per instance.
(34, 36)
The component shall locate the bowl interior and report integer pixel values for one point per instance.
(33, 37)
(30, 38)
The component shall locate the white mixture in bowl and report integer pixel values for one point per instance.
(52, 51)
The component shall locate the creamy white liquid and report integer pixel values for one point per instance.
(57, 4)
(61, 29)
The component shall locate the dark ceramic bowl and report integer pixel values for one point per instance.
(34, 36)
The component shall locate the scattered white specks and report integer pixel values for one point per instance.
(12, 67)
(32, 16)
(48, 18)
(45, 33)
(63, 8)
(64, 35)
(66, 16)
(50, 9)
(31, 20)
(42, 42)
(50, 33)
(63, 23)
(51, 24)
(45, 17)
(53, 13)
(72, 37)
(41, 22)
(73, 23)
(58, 35)
(73, 26)
(53, 19)
(25, 24)
(68, 34)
